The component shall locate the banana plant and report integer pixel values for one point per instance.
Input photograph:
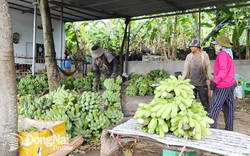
(107, 33)
(76, 37)
(238, 29)
(247, 19)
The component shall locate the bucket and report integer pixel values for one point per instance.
(67, 64)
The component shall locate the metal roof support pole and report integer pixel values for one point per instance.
(61, 30)
(127, 52)
(34, 37)
(123, 42)
(199, 24)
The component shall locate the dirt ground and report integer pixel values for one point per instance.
(241, 125)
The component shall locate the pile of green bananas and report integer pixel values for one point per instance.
(140, 84)
(32, 85)
(174, 109)
(82, 112)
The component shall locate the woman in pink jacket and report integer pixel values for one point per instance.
(223, 83)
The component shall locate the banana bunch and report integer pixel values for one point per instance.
(160, 108)
(36, 108)
(87, 134)
(112, 93)
(154, 125)
(43, 103)
(89, 101)
(26, 101)
(74, 115)
(188, 124)
(89, 106)
(118, 80)
(152, 117)
(65, 98)
(105, 121)
(173, 87)
(99, 124)
(100, 121)
(96, 135)
(38, 114)
(26, 113)
(115, 116)
(80, 126)
(52, 116)
(27, 106)
(112, 84)
(173, 109)
(111, 96)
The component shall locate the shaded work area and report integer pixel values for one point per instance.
(73, 11)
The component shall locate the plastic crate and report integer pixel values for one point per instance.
(169, 152)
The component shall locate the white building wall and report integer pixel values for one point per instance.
(22, 23)
(144, 67)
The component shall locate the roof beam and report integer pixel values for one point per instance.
(102, 3)
(173, 4)
(192, 11)
(88, 9)
(66, 13)
(134, 5)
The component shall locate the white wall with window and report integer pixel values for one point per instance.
(22, 24)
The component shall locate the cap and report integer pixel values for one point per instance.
(214, 42)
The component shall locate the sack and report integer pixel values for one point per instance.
(50, 137)
(238, 92)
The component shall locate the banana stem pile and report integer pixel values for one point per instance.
(174, 109)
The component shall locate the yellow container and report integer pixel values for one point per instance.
(50, 137)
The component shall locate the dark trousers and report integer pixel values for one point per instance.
(223, 98)
(203, 95)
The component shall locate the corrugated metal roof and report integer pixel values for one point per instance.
(85, 10)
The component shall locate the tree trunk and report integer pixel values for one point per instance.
(169, 42)
(8, 91)
(50, 54)
(237, 37)
(247, 45)
(175, 38)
